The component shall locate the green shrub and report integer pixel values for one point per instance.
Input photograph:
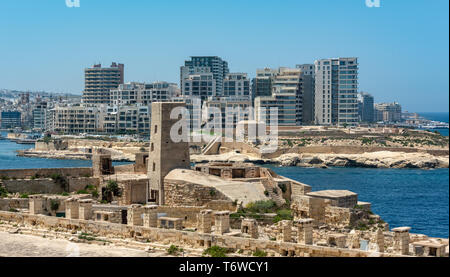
(259, 253)
(283, 215)
(261, 206)
(24, 196)
(216, 252)
(3, 192)
(174, 250)
(54, 205)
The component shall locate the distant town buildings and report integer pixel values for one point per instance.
(201, 67)
(388, 112)
(366, 108)
(321, 93)
(11, 119)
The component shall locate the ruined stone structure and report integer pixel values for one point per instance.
(165, 154)
(170, 223)
(222, 222)
(230, 170)
(401, 240)
(37, 204)
(102, 165)
(85, 209)
(305, 231)
(141, 165)
(135, 215)
(72, 208)
(285, 234)
(204, 221)
(250, 227)
(150, 216)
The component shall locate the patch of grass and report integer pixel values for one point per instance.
(216, 252)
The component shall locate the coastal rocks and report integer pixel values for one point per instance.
(365, 160)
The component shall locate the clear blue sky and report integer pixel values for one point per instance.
(403, 46)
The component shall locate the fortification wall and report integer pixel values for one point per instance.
(49, 186)
(45, 172)
(187, 194)
(13, 203)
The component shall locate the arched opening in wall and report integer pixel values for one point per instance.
(152, 148)
(154, 167)
(156, 129)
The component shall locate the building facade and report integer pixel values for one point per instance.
(99, 81)
(202, 65)
(336, 87)
(11, 119)
(366, 108)
(388, 112)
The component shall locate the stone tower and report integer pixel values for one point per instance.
(165, 154)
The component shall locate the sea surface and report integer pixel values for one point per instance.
(442, 117)
(402, 197)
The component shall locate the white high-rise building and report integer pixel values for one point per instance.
(336, 91)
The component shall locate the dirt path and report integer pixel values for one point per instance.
(17, 245)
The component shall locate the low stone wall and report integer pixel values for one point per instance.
(39, 186)
(51, 145)
(77, 184)
(49, 186)
(187, 194)
(47, 172)
(7, 204)
(124, 168)
(193, 239)
(188, 214)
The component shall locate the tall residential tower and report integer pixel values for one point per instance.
(336, 91)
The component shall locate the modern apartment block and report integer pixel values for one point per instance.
(237, 84)
(40, 116)
(230, 110)
(141, 93)
(262, 83)
(336, 87)
(11, 119)
(134, 119)
(366, 108)
(205, 64)
(288, 82)
(76, 119)
(99, 81)
(285, 104)
(308, 88)
(202, 85)
(388, 112)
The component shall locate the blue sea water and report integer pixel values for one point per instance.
(442, 117)
(10, 160)
(402, 197)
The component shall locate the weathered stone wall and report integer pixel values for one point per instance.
(188, 214)
(338, 217)
(40, 186)
(13, 203)
(133, 192)
(49, 186)
(187, 194)
(193, 239)
(53, 145)
(47, 172)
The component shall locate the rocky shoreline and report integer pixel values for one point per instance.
(366, 160)
(381, 159)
